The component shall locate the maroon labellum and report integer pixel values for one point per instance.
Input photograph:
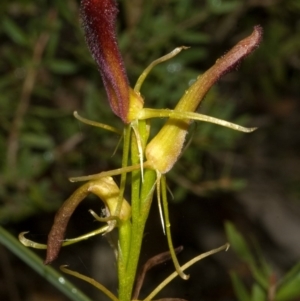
(99, 18)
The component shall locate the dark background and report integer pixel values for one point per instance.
(249, 179)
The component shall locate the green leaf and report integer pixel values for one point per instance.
(14, 31)
(223, 7)
(37, 141)
(263, 264)
(62, 66)
(239, 245)
(239, 288)
(30, 258)
(53, 44)
(289, 275)
(258, 294)
(289, 286)
(195, 37)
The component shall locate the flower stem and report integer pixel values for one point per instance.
(141, 199)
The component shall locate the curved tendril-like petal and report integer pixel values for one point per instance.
(152, 262)
(162, 59)
(104, 219)
(183, 268)
(69, 241)
(106, 189)
(97, 124)
(99, 18)
(168, 230)
(174, 114)
(158, 191)
(30, 243)
(91, 281)
(111, 221)
(165, 148)
(114, 172)
(134, 126)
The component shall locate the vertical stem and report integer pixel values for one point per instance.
(137, 233)
(141, 199)
(126, 149)
(123, 252)
(124, 228)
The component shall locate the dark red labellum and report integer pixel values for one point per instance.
(99, 18)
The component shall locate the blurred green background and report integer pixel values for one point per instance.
(46, 73)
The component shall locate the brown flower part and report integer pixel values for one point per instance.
(106, 189)
(222, 66)
(62, 217)
(99, 18)
(164, 149)
(153, 261)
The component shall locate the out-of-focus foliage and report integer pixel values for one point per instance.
(54, 277)
(45, 77)
(266, 285)
(47, 73)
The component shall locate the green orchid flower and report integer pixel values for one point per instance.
(149, 161)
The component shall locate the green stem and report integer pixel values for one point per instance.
(141, 199)
(126, 148)
(137, 233)
(124, 229)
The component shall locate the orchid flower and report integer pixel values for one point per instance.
(161, 153)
